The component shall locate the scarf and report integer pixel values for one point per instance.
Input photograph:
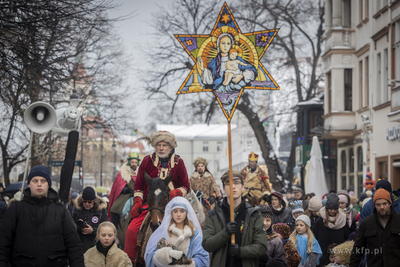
(336, 222)
(277, 211)
(164, 161)
(271, 235)
(103, 250)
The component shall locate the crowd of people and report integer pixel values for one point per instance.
(286, 228)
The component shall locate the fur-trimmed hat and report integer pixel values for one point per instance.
(159, 136)
(283, 229)
(344, 251)
(200, 160)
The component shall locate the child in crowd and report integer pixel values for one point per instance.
(342, 254)
(275, 256)
(297, 210)
(178, 238)
(305, 242)
(292, 255)
(105, 252)
(331, 253)
(353, 235)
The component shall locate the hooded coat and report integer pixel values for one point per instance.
(115, 258)
(284, 214)
(383, 244)
(94, 217)
(39, 232)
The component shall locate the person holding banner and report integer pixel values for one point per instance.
(247, 228)
(161, 163)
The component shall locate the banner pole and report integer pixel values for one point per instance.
(231, 179)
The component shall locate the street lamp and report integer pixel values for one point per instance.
(114, 147)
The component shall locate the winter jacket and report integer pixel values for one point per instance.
(93, 217)
(368, 208)
(383, 244)
(115, 258)
(216, 239)
(327, 236)
(3, 209)
(276, 253)
(39, 232)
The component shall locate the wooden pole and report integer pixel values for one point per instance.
(231, 179)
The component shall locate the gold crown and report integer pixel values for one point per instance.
(253, 156)
(134, 155)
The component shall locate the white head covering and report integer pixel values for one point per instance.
(162, 230)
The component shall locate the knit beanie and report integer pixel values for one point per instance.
(305, 219)
(385, 184)
(42, 171)
(297, 206)
(343, 198)
(332, 202)
(368, 175)
(266, 211)
(362, 197)
(323, 202)
(382, 194)
(88, 193)
(369, 194)
(74, 195)
(315, 204)
(283, 229)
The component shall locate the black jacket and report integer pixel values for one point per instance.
(326, 236)
(39, 232)
(93, 217)
(383, 244)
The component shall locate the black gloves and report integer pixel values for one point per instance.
(234, 250)
(211, 200)
(266, 198)
(231, 227)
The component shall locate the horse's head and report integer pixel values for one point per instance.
(157, 198)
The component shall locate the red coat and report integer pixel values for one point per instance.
(122, 178)
(152, 165)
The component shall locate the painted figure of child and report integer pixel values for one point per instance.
(232, 66)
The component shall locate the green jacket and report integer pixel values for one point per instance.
(216, 239)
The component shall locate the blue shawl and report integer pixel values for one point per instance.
(302, 248)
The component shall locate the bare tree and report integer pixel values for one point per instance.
(40, 42)
(300, 36)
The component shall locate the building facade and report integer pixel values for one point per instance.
(362, 91)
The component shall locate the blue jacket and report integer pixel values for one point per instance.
(368, 208)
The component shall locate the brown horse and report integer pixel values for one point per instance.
(157, 198)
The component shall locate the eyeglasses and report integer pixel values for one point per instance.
(88, 202)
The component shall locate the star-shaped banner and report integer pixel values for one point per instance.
(227, 61)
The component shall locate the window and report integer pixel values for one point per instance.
(366, 84)
(249, 144)
(383, 170)
(396, 59)
(329, 83)
(360, 11)
(219, 146)
(347, 13)
(343, 158)
(385, 76)
(359, 159)
(205, 146)
(344, 185)
(348, 99)
(351, 161)
(378, 79)
(360, 85)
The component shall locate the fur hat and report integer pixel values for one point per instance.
(199, 160)
(305, 219)
(266, 211)
(344, 250)
(297, 206)
(283, 229)
(382, 194)
(332, 202)
(315, 204)
(159, 136)
(42, 171)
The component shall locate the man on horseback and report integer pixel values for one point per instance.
(161, 163)
(122, 189)
(256, 180)
(202, 180)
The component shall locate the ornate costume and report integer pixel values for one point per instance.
(205, 182)
(256, 180)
